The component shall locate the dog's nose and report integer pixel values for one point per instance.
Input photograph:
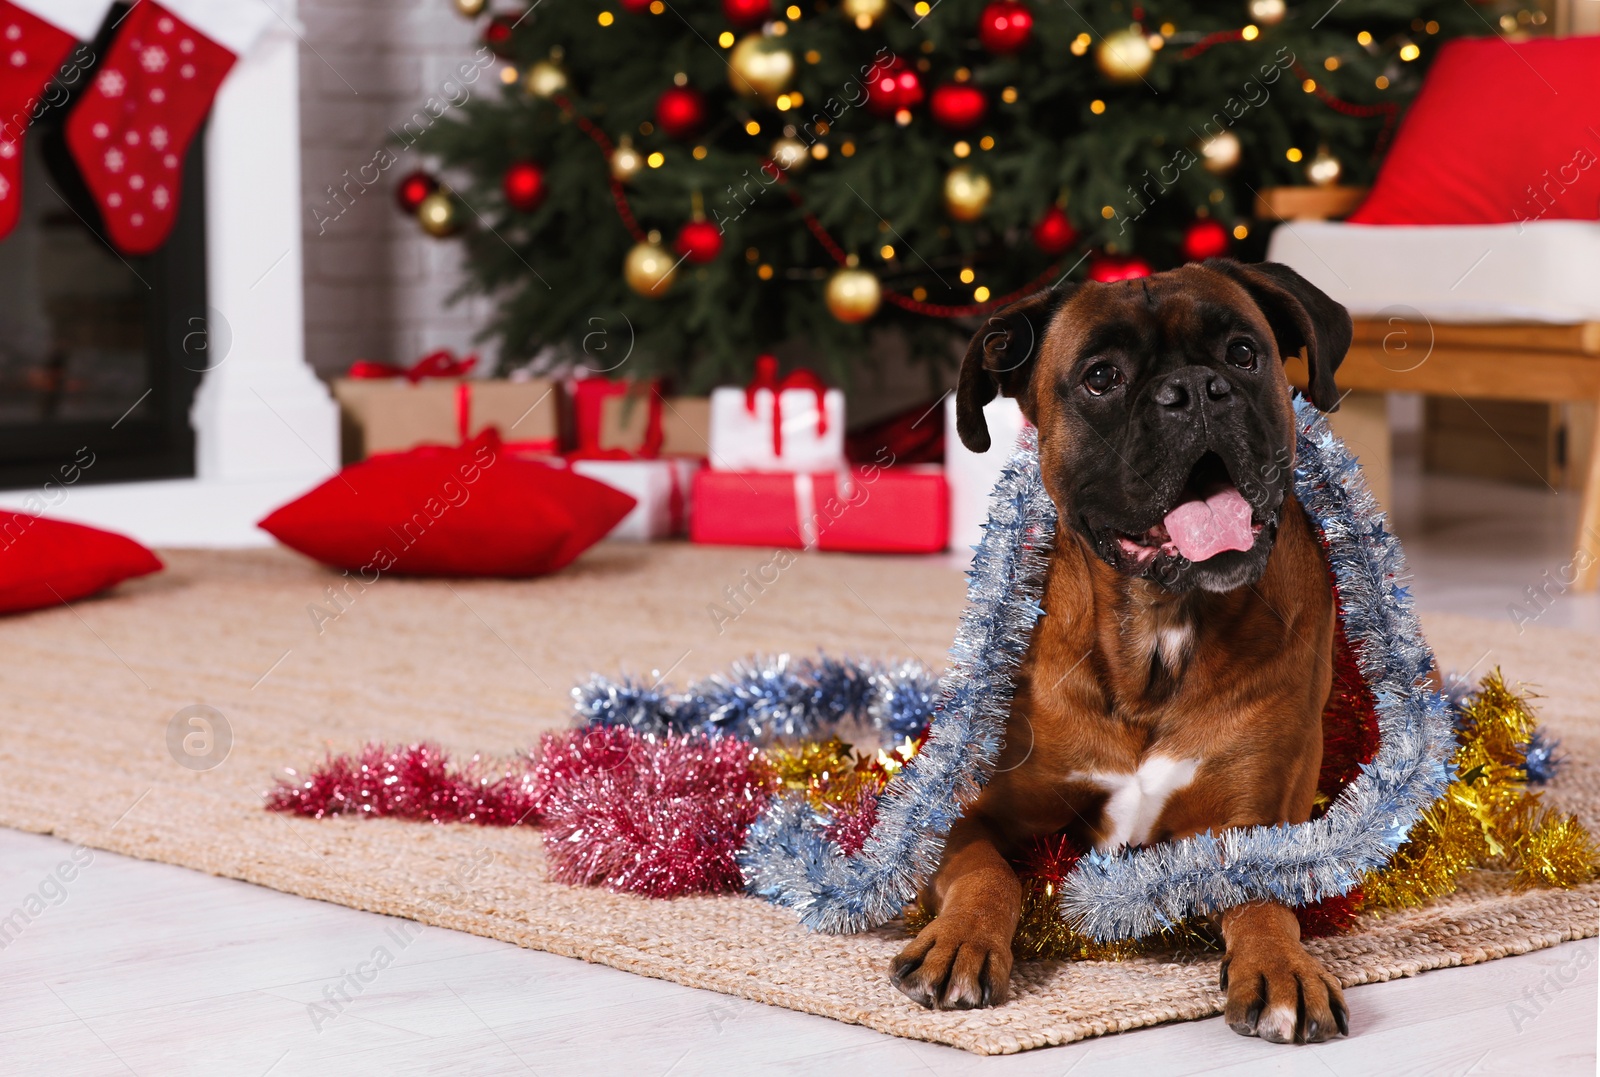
(1218, 387)
(1174, 394)
(1185, 389)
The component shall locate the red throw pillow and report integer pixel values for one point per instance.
(1500, 132)
(463, 510)
(48, 562)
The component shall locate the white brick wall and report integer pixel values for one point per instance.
(375, 284)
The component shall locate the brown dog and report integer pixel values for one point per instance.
(1176, 682)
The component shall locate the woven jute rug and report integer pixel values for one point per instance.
(90, 694)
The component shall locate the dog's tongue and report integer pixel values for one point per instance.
(1203, 529)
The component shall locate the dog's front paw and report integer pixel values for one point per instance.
(954, 966)
(1282, 994)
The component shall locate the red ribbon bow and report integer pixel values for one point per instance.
(441, 364)
(801, 378)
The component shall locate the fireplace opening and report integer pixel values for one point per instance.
(100, 353)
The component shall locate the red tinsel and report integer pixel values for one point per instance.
(852, 821)
(1349, 722)
(657, 817)
(1332, 916)
(413, 782)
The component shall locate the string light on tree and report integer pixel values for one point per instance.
(470, 9)
(1125, 55)
(649, 269)
(1220, 153)
(790, 154)
(853, 294)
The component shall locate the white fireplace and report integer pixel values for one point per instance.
(266, 428)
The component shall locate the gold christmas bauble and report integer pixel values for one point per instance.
(649, 270)
(864, 12)
(1324, 169)
(1220, 152)
(760, 67)
(470, 8)
(626, 162)
(1124, 55)
(545, 79)
(438, 214)
(853, 295)
(1267, 12)
(966, 193)
(790, 154)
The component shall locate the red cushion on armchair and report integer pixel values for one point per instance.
(462, 510)
(47, 562)
(1501, 131)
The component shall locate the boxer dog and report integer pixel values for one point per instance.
(1176, 682)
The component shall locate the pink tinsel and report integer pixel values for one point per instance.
(652, 816)
(413, 782)
(637, 814)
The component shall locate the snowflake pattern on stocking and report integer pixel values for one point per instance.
(130, 133)
(31, 52)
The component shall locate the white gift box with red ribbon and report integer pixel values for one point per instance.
(661, 487)
(792, 424)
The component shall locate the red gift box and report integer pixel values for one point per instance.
(867, 510)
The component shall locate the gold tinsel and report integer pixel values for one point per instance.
(1487, 818)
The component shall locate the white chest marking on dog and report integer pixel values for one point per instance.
(1173, 643)
(1137, 799)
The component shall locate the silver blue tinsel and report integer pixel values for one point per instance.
(764, 699)
(1130, 893)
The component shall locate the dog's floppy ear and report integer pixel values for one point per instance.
(1000, 361)
(1301, 316)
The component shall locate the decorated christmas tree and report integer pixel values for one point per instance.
(701, 181)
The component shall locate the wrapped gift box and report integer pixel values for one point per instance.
(972, 475)
(863, 510)
(662, 489)
(789, 425)
(394, 414)
(620, 415)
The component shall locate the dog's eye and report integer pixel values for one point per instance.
(1102, 378)
(1241, 354)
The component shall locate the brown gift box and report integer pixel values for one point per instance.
(392, 414)
(685, 424)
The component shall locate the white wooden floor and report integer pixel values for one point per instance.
(153, 970)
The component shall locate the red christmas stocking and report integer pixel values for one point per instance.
(131, 129)
(31, 52)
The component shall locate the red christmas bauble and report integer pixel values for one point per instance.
(1054, 233)
(1111, 267)
(412, 189)
(1204, 238)
(746, 12)
(958, 105)
(524, 186)
(1005, 26)
(896, 87)
(699, 241)
(638, 7)
(681, 111)
(497, 35)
